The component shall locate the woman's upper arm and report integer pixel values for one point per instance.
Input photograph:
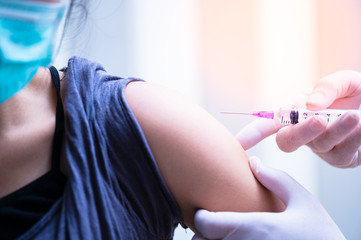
(201, 162)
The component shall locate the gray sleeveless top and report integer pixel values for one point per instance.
(114, 189)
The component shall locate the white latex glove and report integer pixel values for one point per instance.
(304, 217)
(337, 143)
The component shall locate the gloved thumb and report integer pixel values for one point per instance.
(229, 225)
(278, 182)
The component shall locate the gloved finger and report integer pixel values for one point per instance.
(256, 131)
(338, 85)
(218, 225)
(292, 137)
(335, 133)
(215, 225)
(346, 154)
(198, 236)
(278, 182)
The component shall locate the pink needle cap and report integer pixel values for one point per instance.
(264, 114)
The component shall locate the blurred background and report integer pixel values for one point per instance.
(235, 55)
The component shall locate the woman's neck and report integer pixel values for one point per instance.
(27, 123)
(20, 110)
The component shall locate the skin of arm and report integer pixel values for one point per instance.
(201, 162)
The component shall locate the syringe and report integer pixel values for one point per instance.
(296, 115)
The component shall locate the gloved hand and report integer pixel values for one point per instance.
(304, 217)
(338, 143)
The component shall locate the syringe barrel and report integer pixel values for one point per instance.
(296, 115)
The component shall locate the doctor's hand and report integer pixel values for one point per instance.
(304, 217)
(337, 143)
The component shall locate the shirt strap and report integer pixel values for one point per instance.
(59, 125)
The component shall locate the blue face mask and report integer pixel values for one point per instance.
(27, 35)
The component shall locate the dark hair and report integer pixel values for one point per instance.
(77, 13)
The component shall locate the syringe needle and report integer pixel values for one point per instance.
(241, 113)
